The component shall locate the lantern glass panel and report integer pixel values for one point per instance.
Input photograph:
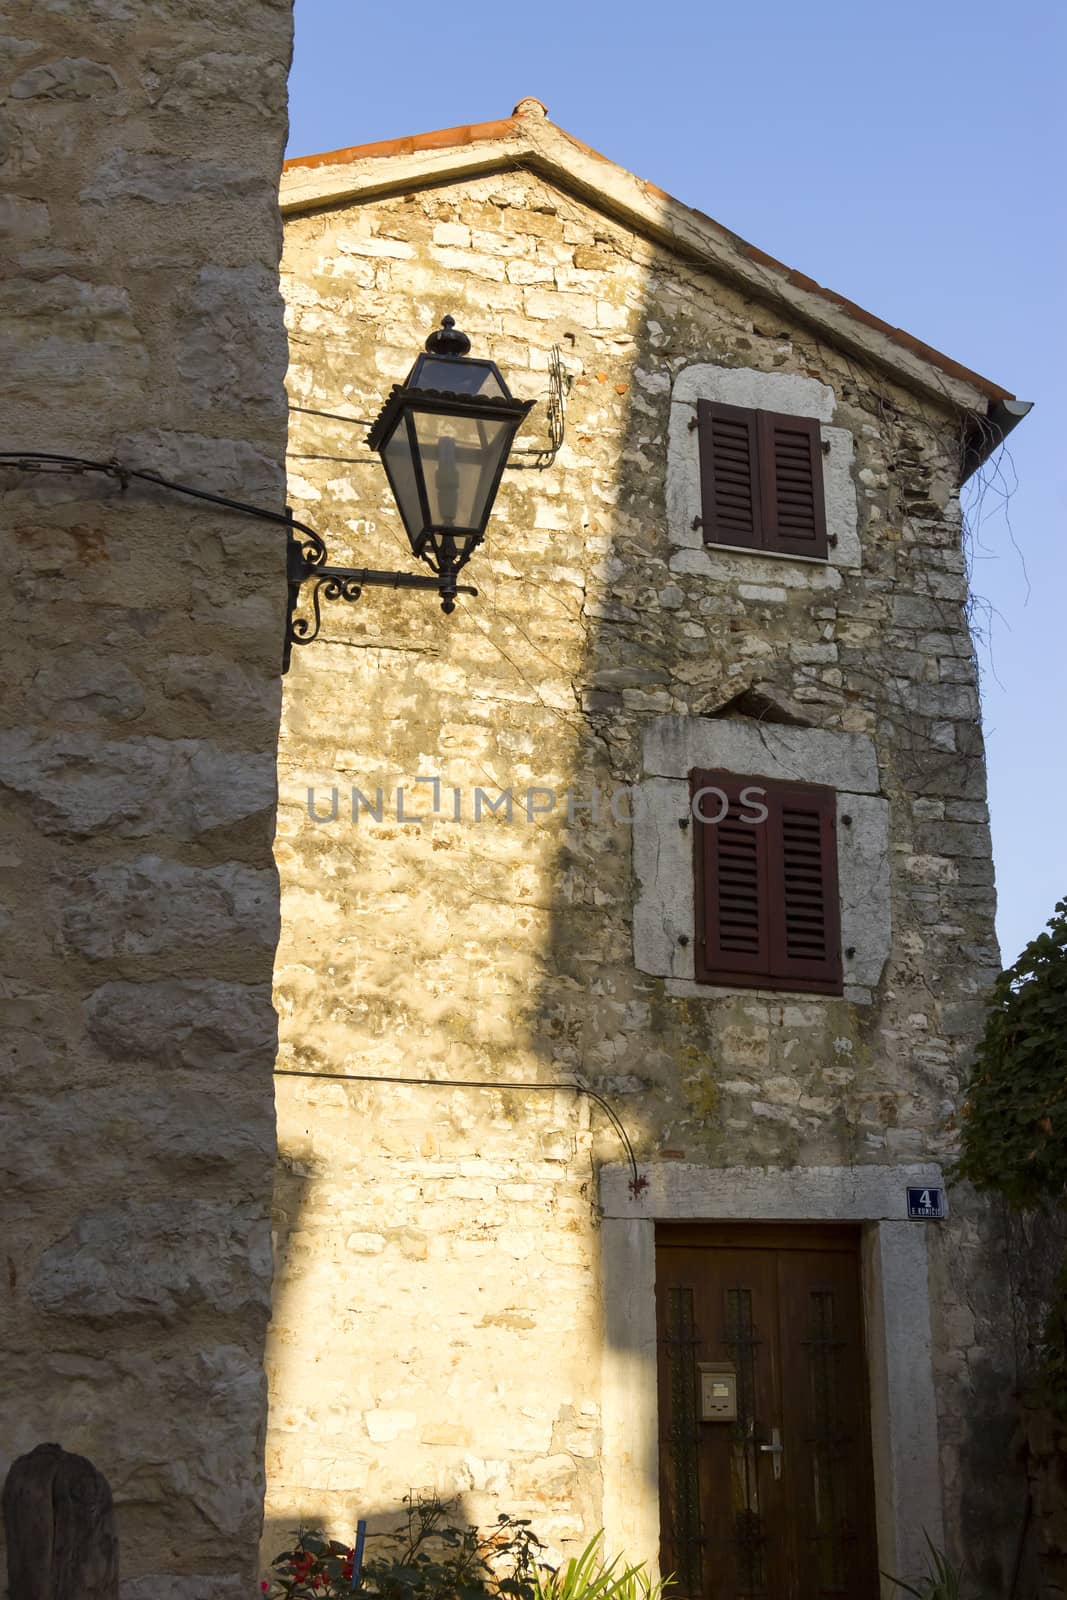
(458, 376)
(400, 465)
(460, 459)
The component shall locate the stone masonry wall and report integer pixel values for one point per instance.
(438, 1318)
(140, 147)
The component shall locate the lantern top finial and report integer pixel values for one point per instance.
(447, 340)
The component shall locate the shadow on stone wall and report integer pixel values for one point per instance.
(388, 1527)
(1035, 1249)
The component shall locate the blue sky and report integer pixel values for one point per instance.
(910, 157)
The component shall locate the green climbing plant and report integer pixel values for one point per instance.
(1015, 1115)
(1014, 1129)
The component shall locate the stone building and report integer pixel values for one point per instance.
(742, 573)
(140, 320)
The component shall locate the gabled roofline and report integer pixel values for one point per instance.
(528, 140)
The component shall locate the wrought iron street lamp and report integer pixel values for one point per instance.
(444, 437)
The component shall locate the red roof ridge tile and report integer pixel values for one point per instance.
(436, 139)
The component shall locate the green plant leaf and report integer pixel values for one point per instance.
(908, 1588)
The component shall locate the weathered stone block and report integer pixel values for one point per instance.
(225, 323)
(173, 1136)
(83, 686)
(67, 332)
(68, 78)
(226, 466)
(161, 178)
(191, 86)
(150, 905)
(199, 1024)
(73, 784)
(23, 221)
(158, 1261)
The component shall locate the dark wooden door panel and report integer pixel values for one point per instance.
(825, 1421)
(718, 1487)
(741, 1518)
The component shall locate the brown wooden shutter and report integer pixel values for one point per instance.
(733, 899)
(805, 910)
(767, 907)
(729, 475)
(791, 486)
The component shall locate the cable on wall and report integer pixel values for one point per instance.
(559, 387)
(50, 461)
(637, 1183)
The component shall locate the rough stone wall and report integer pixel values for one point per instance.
(140, 147)
(438, 1318)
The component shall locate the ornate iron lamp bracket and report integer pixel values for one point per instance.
(306, 561)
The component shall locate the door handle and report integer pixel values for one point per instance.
(774, 1449)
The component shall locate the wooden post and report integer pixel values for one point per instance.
(60, 1529)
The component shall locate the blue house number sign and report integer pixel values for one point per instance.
(928, 1205)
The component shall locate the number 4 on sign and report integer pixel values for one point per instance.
(928, 1205)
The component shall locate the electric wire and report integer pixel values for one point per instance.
(361, 422)
(482, 1083)
(44, 460)
(351, 461)
(337, 416)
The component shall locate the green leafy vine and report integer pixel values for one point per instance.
(1014, 1132)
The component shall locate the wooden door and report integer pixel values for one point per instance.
(779, 1503)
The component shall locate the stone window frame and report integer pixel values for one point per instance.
(664, 916)
(896, 1294)
(789, 394)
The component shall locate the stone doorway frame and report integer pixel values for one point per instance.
(896, 1296)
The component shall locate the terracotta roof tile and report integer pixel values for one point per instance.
(438, 139)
